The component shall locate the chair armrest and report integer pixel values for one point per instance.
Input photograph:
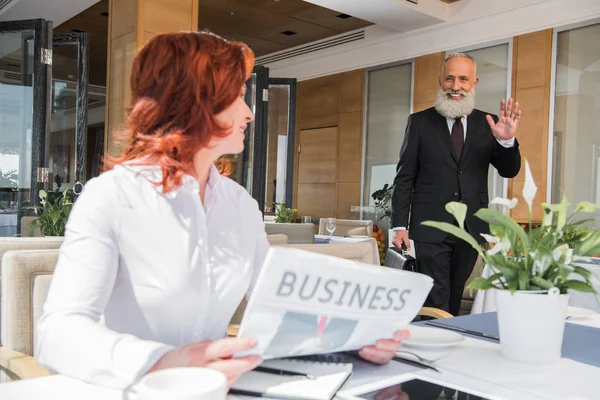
(20, 364)
(434, 312)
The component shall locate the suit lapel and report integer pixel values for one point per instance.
(442, 126)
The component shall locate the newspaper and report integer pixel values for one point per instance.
(307, 303)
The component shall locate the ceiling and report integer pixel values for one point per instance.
(258, 23)
(261, 23)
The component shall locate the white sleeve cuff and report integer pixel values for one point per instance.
(507, 143)
(400, 228)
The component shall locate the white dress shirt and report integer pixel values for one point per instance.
(141, 272)
(450, 121)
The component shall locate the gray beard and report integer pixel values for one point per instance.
(453, 108)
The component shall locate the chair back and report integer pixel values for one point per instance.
(296, 233)
(23, 295)
(348, 227)
(277, 239)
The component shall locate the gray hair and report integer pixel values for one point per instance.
(459, 55)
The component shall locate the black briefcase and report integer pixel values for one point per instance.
(400, 259)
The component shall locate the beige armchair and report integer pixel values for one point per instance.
(26, 276)
(277, 239)
(296, 233)
(348, 227)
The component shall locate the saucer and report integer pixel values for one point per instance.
(432, 337)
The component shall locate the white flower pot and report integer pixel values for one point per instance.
(531, 325)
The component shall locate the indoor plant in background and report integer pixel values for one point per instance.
(530, 271)
(283, 214)
(53, 214)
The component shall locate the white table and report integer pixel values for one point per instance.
(485, 301)
(476, 365)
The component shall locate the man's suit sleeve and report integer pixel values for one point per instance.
(405, 174)
(506, 160)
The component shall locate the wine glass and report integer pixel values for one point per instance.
(330, 226)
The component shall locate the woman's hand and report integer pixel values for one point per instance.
(212, 354)
(384, 349)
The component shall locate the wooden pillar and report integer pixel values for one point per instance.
(131, 24)
(532, 60)
(426, 86)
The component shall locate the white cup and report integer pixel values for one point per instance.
(189, 383)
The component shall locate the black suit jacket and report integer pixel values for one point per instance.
(429, 175)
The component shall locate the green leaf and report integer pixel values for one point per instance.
(586, 207)
(586, 273)
(544, 284)
(459, 211)
(523, 279)
(579, 286)
(481, 284)
(456, 231)
(493, 217)
(588, 247)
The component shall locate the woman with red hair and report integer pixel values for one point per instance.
(160, 249)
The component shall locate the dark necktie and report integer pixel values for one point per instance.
(458, 137)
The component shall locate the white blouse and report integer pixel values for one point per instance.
(141, 272)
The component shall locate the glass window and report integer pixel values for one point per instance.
(389, 96)
(492, 70)
(576, 136)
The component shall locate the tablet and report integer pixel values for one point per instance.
(412, 389)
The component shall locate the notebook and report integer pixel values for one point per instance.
(329, 378)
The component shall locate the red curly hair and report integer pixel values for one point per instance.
(179, 83)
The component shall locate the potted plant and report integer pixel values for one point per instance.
(382, 199)
(284, 215)
(530, 271)
(53, 213)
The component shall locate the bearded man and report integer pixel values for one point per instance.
(445, 157)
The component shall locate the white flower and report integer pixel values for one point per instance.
(563, 251)
(529, 189)
(504, 244)
(505, 202)
(490, 238)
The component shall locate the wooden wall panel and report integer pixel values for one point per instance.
(333, 103)
(426, 86)
(318, 122)
(348, 195)
(352, 91)
(532, 59)
(350, 148)
(317, 200)
(318, 97)
(122, 14)
(318, 156)
(122, 50)
(131, 24)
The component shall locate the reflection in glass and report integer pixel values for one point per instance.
(277, 145)
(492, 70)
(576, 138)
(388, 107)
(62, 141)
(16, 123)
